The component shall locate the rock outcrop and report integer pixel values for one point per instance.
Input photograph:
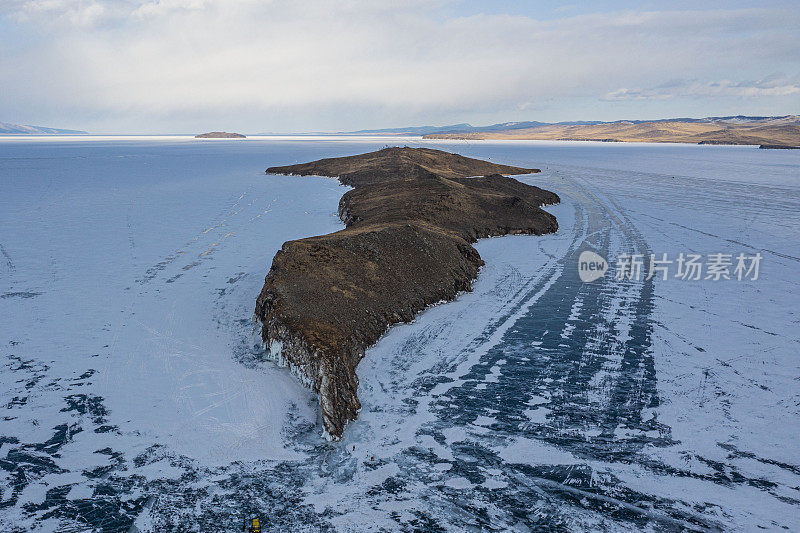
(409, 223)
(220, 135)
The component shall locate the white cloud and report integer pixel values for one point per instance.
(775, 85)
(82, 14)
(277, 60)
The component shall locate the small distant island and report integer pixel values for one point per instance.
(410, 220)
(220, 135)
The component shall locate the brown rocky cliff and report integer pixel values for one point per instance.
(410, 221)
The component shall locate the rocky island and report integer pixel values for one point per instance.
(220, 135)
(410, 219)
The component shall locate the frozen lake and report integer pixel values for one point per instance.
(136, 395)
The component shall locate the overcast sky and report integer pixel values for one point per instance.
(182, 66)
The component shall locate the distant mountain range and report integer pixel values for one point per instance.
(454, 128)
(778, 131)
(18, 129)
(429, 130)
(781, 131)
(722, 130)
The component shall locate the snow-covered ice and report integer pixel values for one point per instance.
(136, 391)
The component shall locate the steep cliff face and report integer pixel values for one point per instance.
(326, 299)
(410, 221)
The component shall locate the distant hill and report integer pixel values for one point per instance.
(18, 129)
(777, 131)
(408, 130)
(734, 129)
(413, 130)
(432, 130)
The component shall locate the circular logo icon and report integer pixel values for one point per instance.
(591, 266)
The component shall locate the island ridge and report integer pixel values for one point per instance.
(409, 221)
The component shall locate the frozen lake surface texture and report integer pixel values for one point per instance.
(137, 396)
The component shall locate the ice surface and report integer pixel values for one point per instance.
(137, 392)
